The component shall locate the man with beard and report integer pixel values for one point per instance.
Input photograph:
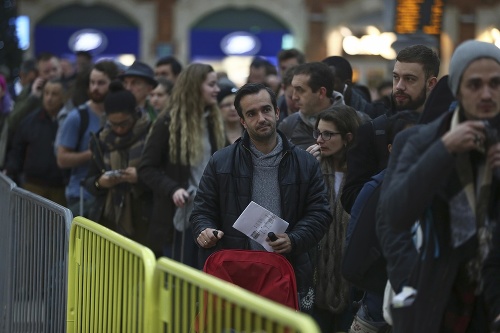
(264, 167)
(74, 136)
(414, 76)
(446, 176)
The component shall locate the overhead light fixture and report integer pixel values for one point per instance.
(240, 43)
(88, 40)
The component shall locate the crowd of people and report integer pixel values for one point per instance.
(392, 202)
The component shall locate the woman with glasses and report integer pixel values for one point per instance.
(335, 132)
(121, 199)
(181, 142)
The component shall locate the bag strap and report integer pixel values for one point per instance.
(83, 110)
(379, 124)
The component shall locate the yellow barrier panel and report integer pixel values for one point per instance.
(188, 300)
(109, 281)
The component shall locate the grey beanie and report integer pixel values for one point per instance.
(466, 53)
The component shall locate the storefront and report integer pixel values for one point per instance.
(103, 31)
(229, 39)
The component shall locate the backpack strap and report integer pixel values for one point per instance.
(84, 122)
(379, 124)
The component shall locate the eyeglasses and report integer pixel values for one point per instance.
(325, 135)
(122, 124)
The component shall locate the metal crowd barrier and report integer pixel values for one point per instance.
(37, 264)
(6, 186)
(109, 281)
(189, 300)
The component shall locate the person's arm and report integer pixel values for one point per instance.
(15, 157)
(362, 164)
(94, 172)
(23, 108)
(314, 223)
(68, 158)
(206, 208)
(154, 159)
(421, 169)
(68, 155)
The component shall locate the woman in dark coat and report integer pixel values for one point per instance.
(181, 142)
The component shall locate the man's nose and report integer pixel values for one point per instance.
(261, 117)
(400, 85)
(486, 92)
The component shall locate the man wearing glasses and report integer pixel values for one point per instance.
(73, 138)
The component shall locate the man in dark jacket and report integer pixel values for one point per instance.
(414, 77)
(266, 168)
(443, 176)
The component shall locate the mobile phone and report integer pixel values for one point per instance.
(272, 236)
(113, 173)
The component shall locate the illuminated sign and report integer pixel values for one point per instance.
(240, 43)
(88, 40)
(414, 16)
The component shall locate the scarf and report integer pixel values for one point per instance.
(469, 208)
(332, 290)
(120, 152)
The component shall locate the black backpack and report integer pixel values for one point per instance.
(363, 263)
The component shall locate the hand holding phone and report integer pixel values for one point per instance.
(113, 173)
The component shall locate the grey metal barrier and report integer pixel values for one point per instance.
(38, 267)
(6, 186)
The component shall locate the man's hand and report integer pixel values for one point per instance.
(209, 237)
(467, 136)
(282, 245)
(37, 86)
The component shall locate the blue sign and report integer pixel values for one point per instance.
(57, 40)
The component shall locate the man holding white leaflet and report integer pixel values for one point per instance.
(264, 167)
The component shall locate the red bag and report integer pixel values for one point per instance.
(265, 273)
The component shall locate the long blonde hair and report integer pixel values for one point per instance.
(186, 108)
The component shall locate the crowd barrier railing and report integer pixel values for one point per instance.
(188, 300)
(37, 266)
(6, 186)
(109, 281)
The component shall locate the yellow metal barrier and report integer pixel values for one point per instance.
(109, 281)
(188, 300)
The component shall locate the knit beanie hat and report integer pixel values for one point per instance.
(226, 91)
(119, 99)
(464, 55)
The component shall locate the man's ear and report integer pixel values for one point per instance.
(322, 92)
(431, 83)
(242, 121)
(348, 137)
(277, 113)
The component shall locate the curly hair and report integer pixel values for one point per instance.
(186, 108)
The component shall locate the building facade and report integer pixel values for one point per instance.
(228, 33)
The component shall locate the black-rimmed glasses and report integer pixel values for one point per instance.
(325, 135)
